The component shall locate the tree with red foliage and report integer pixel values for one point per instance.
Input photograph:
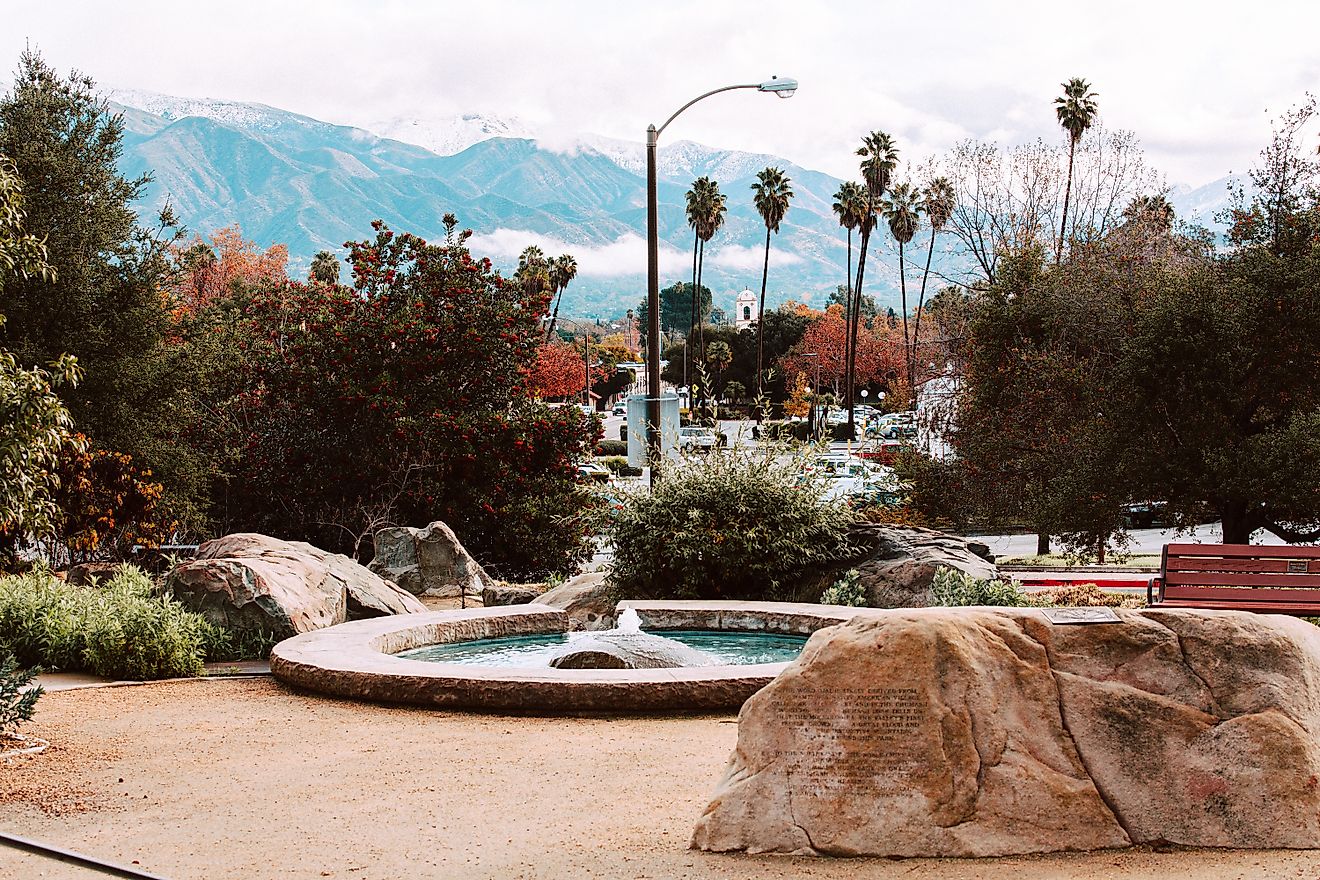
(208, 271)
(878, 354)
(403, 399)
(560, 371)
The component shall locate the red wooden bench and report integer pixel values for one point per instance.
(1238, 577)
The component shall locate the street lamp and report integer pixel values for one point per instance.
(784, 88)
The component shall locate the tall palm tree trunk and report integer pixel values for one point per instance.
(921, 302)
(760, 318)
(847, 297)
(1067, 193)
(855, 321)
(550, 331)
(692, 318)
(701, 320)
(902, 286)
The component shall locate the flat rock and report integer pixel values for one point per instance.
(255, 582)
(986, 732)
(508, 594)
(86, 574)
(587, 599)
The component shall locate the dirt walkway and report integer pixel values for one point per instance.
(208, 780)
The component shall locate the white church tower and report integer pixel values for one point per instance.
(745, 310)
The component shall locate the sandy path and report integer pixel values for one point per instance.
(206, 780)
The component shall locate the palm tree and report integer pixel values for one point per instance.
(711, 220)
(1076, 110)
(903, 211)
(772, 197)
(879, 159)
(562, 271)
(1154, 210)
(696, 209)
(719, 356)
(850, 208)
(533, 271)
(939, 202)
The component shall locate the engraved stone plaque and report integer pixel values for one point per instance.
(1061, 616)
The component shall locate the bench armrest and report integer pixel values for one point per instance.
(1154, 587)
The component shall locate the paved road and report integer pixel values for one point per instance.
(1143, 540)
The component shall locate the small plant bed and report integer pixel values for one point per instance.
(1056, 561)
(119, 629)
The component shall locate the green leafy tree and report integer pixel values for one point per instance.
(676, 307)
(385, 403)
(103, 303)
(34, 424)
(1076, 109)
(772, 195)
(868, 307)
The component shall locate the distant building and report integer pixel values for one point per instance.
(745, 310)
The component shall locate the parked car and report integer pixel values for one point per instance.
(593, 472)
(620, 409)
(695, 439)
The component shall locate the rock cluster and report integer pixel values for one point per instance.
(975, 732)
(900, 563)
(587, 599)
(257, 583)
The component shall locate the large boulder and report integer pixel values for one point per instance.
(509, 594)
(87, 574)
(587, 600)
(979, 732)
(254, 582)
(428, 562)
(627, 650)
(900, 563)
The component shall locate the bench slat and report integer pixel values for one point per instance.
(1245, 595)
(1302, 610)
(1241, 579)
(1262, 566)
(1247, 551)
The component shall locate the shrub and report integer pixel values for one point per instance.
(612, 447)
(619, 465)
(16, 704)
(847, 591)
(952, 587)
(119, 629)
(727, 525)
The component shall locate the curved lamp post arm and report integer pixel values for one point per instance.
(659, 131)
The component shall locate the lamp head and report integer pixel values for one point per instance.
(783, 87)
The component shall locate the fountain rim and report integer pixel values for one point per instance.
(356, 660)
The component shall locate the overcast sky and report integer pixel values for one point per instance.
(1197, 81)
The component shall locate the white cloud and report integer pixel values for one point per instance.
(737, 256)
(625, 256)
(1193, 81)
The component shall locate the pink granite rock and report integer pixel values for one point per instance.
(979, 732)
(251, 581)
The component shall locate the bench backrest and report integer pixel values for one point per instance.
(1241, 572)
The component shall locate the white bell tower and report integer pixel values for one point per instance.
(745, 310)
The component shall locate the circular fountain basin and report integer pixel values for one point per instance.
(370, 659)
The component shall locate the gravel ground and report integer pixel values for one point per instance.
(246, 779)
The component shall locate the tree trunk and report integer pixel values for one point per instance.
(692, 319)
(902, 286)
(850, 368)
(921, 302)
(847, 297)
(1237, 525)
(1042, 544)
(701, 321)
(550, 331)
(760, 321)
(1067, 193)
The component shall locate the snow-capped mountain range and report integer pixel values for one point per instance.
(313, 185)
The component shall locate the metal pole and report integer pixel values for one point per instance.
(653, 310)
(69, 856)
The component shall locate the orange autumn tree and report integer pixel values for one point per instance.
(823, 347)
(210, 270)
(559, 372)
